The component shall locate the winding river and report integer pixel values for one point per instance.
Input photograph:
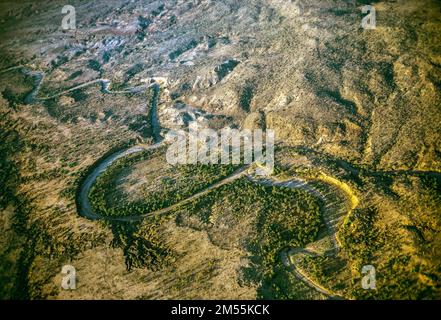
(85, 208)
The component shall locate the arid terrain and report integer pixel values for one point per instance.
(85, 115)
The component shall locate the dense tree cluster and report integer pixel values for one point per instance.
(192, 179)
(141, 246)
(284, 218)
